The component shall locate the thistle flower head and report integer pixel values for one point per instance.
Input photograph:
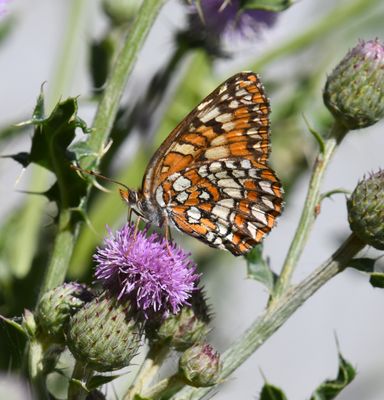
(103, 334)
(354, 91)
(57, 305)
(200, 365)
(366, 210)
(155, 274)
(182, 330)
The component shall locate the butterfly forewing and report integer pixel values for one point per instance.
(211, 177)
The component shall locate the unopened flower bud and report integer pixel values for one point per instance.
(354, 91)
(29, 323)
(103, 335)
(184, 329)
(366, 210)
(57, 305)
(200, 365)
(121, 11)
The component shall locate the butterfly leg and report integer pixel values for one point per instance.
(168, 236)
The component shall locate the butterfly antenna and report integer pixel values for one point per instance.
(93, 173)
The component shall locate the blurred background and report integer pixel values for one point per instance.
(69, 45)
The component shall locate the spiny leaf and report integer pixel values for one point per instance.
(270, 392)
(329, 389)
(99, 380)
(258, 268)
(377, 279)
(363, 264)
(51, 139)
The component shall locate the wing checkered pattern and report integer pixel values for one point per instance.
(211, 175)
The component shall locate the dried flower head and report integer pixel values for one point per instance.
(157, 276)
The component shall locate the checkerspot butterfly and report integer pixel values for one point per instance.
(210, 178)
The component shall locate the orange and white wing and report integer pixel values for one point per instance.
(211, 176)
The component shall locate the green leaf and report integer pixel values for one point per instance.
(331, 388)
(258, 268)
(99, 380)
(14, 324)
(363, 264)
(80, 383)
(330, 193)
(316, 135)
(268, 5)
(270, 392)
(138, 397)
(377, 279)
(51, 139)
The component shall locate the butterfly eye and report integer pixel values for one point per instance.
(129, 196)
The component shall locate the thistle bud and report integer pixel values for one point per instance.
(121, 11)
(56, 306)
(354, 91)
(366, 210)
(185, 328)
(103, 335)
(200, 365)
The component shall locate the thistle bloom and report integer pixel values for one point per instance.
(155, 275)
(226, 17)
(3, 6)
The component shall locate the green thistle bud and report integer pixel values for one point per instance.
(121, 11)
(366, 210)
(103, 335)
(200, 365)
(354, 92)
(185, 328)
(56, 306)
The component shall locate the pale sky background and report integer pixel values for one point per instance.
(303, 352)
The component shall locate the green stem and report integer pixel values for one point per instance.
(117, 80)
(148, 370)
(65, 238)
(35, 365)
(309, 212)
(165, 388)
(61, 254)
(67, 230)
(82, 374)
(274, 318)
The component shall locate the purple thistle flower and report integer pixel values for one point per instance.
(3, 7)
(142, 267)
(223, 17)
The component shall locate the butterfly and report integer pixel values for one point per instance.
(210, 178)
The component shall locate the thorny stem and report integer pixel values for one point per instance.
(164, 388)
(274, 318)
(82, 374)
(155, 357)
(67, 229)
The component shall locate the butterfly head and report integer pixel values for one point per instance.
(131, 197)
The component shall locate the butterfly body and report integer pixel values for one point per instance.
(210, 178)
